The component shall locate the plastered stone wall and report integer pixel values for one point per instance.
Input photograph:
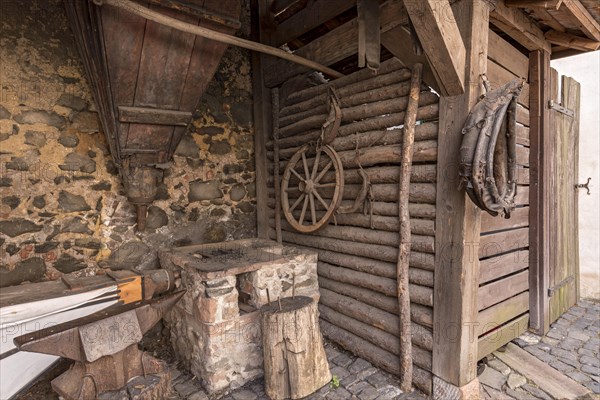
(62, 204)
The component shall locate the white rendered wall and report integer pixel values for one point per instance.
(585, 69)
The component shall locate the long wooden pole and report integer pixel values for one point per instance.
(217, 36)
(406, 364)
(276, 183)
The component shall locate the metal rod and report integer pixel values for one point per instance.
(217, 36)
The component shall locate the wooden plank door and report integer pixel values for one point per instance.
(564, 260)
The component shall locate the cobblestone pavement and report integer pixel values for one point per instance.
(358, 380)
(572, 346)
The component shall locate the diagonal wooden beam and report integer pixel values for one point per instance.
(314, 14)
(571, 41)
(547, 4)
(587, 23)
(515, 23)
(395, 41)
(439, 35)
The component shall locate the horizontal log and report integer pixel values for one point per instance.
(376, 252)
(381, 338)
(416, 210)
(425, 113)
(359, 81)
(421, 173)
(419, 314)
(424, 151)
(313, 120)
(419, 192)
(418, 294)
(374, 267)
(377, 356)
(373, 316)
(419, 243)
(313, 106)
(423, 227)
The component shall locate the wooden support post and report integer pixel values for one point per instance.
(410, 120)
(539, 200)
(457, 218)
(262, 116)
(276, 181)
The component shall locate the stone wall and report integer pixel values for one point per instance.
(62, 204)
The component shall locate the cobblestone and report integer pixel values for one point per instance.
(572, 346)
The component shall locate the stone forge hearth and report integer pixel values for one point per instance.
(215, 328)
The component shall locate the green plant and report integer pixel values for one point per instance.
(335, 382)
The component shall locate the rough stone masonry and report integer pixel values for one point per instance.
(62, 204)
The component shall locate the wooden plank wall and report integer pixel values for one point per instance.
(358, 254)
(504, 244)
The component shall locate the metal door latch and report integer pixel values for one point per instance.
(584, 186)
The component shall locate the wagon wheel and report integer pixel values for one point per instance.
(306, 182)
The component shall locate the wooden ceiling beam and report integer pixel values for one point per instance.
(516, 24)
(571, 41)
(314, 14)
(334, 46)
(546, 4)
(441, 40)
(587, 24)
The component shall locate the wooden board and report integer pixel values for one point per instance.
(498, 338)
(504, 54)
(519, 218)
(495, 316)
(555, 383)
(502, 242)
(495, 267)
(498, 76)
(495, 292)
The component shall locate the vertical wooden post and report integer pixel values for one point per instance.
(408, 141)
(276, 183)
(458, 219)
(539, 154)
(262, 115)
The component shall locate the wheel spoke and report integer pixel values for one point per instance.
(293, 207)
(325, 185)
(316, 166)
(322, 173)
(318, 196)
(303, 213)
(298, 175)
(305, 165)
(313, 211)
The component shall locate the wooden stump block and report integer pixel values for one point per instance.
(295, 360)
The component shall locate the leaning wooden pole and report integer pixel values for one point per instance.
(174, 23)
(276, 181)
(410, 120)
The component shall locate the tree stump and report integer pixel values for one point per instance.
(295, 362)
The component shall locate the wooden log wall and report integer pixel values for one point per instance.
(357, 252)
(504, 244)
